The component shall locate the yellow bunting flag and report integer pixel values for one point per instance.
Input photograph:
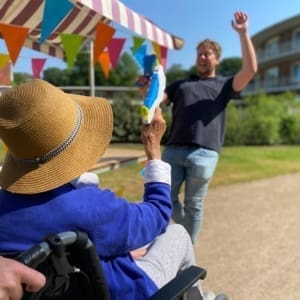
(6, 74)
(157, 51)
(4, 60)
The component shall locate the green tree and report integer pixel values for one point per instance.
(229, 66)
(175, 72)
(56, 76)
(20, 78)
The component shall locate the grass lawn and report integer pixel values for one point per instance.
(236, 164)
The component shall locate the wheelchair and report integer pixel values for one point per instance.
(73, 271)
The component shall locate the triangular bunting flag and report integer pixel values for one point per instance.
(104, 62)
(149, 63)
(14, 37)
(71, 44)
(156, 49)
(6, 74)
(104, 34)
(137, 43)
(164, 53)
(4, 59)
(140, 54)
(114, 48)
(37, 66)
(54, 12)
(161, 53)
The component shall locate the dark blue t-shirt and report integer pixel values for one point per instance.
(199, 111)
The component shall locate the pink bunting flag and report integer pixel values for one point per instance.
(115, 47)
(37, 66)
(164, 53)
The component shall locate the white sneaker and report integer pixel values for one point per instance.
(209, 296)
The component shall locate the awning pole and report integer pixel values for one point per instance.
(91, 69)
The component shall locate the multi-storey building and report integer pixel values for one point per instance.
(278, 55)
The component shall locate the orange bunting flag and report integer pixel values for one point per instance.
(37, 66)
(14, 37)
(114, 48)
(4, 60)
(104, 34)
(104, 62)
(71, 44)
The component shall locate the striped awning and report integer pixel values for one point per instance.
(81, 20)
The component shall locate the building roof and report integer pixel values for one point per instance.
(275, 29)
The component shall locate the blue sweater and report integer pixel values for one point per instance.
(113, 224)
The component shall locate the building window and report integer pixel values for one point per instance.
(271, 79)
(296, 72)
(272, 48)
(297, 38)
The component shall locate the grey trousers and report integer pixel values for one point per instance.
(169, 253)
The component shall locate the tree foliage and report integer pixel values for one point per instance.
(229, 66)
(258, 119)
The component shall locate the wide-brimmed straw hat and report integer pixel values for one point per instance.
(52, 137)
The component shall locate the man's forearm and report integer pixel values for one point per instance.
(249, 63)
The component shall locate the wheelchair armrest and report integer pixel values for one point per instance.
(180, 284)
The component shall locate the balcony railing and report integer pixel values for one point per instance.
(276, 85)
(284, 49)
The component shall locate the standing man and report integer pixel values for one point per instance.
(198, 124)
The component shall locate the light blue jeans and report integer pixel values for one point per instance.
(195, 167)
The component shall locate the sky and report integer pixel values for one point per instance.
(193, 20)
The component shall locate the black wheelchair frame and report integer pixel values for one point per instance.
(73, 271)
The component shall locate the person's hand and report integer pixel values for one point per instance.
(13, 274)
(152, 134)
(142, 83)
(240, 22)
(138, 253)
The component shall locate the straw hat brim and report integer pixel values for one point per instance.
(82, 154)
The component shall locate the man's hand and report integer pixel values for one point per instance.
(240, 22)
(152, 134)
(13, 274)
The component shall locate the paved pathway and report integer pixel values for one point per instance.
(114, 158)
(250, 241)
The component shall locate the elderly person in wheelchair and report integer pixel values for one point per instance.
(53, 139)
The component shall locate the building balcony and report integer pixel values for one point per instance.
(274, 86)
(283, 51)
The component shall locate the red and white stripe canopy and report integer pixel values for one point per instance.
(81, 20)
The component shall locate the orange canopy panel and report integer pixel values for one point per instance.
(82, 20)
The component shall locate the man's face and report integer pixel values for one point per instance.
(206, 62)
